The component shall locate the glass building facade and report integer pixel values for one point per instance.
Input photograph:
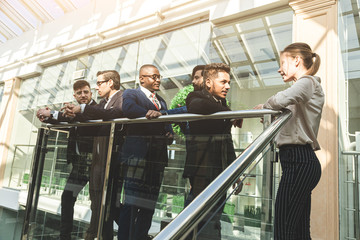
(250, 45)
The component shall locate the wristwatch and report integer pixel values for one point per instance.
(52, 112)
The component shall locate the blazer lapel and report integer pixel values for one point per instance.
(113, 100)
(145, 100)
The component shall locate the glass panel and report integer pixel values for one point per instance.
(269, 74)
(259, 45)
(349, 196)
(20, 166)
(248, 215)
(177, 52)
(345, 5)
(224, 31)
(246, 76)
(349, 106)
(122, 59)
(11, 223)
(281, 35)
(233, 49)
(72, 168)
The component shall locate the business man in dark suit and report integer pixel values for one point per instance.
(79, 154)
(110, 107)
(210, 149)
(144, 154)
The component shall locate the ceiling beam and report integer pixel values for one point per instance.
(6, 31)
(66, 5)
(37, 10)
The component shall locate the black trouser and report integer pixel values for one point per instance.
(212, 229)
(301, 172)
(78, 178)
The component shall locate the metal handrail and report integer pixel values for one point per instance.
(350, 153)
(34, 185)
(202, 204)
(172, 118)
(355, 154)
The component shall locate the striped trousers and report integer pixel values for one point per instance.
(301, 172)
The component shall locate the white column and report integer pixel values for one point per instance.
(7, 113)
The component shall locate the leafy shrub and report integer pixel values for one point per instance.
(180, 99)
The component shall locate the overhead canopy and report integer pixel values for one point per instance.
(19, 16)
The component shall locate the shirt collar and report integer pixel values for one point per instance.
(108, 99)
(147, 92)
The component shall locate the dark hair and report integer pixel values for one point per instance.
(197, 68)
(146, 66)
(211, 70)
(80, 84)
(311, 60)
(111, 74)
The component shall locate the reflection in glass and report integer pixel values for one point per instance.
(349, 106)
(233, 49)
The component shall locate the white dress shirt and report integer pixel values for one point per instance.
(149, 94)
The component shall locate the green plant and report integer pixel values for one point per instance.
(45, 181)
(161, 202)
(229, 211)
(26, 178)
(252, 216)
(178, 203)
(180, 100)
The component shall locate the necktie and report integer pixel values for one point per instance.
(155, 101)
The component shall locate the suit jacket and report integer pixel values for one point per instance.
(210, 147)
(144, 151)
(113, 109)
(136, 105)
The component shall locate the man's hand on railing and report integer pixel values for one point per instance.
(43, 114)
(239, 185)
(152, 114)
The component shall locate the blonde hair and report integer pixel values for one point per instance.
(311, 60)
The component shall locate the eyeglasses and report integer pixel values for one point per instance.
(101, 82)
(80, 92)
(154, 76)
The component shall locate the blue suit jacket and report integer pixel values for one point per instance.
(144, 151)
(135, 105)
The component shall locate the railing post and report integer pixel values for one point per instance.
(356, 197)
(106, 180)
(35, 182)
(267, 187)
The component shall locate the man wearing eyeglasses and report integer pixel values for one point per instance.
(110, 107)
(79, 152)
(144, 154)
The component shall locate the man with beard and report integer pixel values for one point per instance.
(210, 147)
